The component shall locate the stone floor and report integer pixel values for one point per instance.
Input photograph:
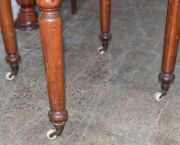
(109, 97)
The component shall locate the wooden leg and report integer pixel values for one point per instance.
(9, 36)
(51, 35)
(27, 18)
(105, 35)
(74, 6)
(171, 44)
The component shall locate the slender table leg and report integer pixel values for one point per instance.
(171, 44)
(51, 35)
(105, 35)
(27, 18)
(74, 6)
(9, 37)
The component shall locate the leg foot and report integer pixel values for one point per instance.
(166, 81)
(58, 119)
(104, 37)
(13, 60)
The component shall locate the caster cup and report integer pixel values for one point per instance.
(51, 134)
(159, 96)
(10, 76)
(101, 50)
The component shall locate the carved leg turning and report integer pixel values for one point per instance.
(171, 44)
(9, 37)
(74, 6)
(105, 35)
(27, 18)
(51, 35)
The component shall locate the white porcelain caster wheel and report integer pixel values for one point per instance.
(101, 50)
(9, 76)
(158, 96)
(51, 134)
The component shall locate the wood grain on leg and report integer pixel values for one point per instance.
(9, 35)
(171, 44)
(52, 44)
(105, 10)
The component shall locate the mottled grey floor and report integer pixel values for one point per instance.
(109, 97)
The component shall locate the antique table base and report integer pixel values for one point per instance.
(50, 23)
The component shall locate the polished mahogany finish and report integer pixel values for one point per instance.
(171, 44)
(52, 44)
(9, 36)
(27, 18)
(50, 23)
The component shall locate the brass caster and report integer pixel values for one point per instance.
(51, 134)
(160, 95)
(101, 50)
(10, 76)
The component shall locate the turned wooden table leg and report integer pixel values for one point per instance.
(27, 18)
(74, 6)
(171, 44)
(9, 37)
(105, 35)
(51, 36)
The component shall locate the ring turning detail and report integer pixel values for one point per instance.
(171, 43)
